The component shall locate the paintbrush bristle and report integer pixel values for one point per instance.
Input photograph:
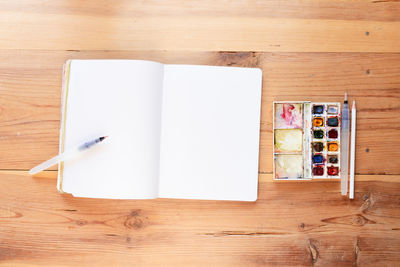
(103, 137)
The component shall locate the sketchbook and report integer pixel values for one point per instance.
(175, 131)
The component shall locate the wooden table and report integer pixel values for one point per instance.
(306, 49)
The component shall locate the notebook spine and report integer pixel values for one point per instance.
(63, 113)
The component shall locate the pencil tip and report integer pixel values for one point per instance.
(354, 104)
(345, 96)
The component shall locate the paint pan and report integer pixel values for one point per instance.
(328, 136)
(306, 140)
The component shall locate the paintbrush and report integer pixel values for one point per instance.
(345, 147)
(66, 155)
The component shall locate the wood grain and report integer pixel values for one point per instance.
(30, 98)
(311, 9)
(246, 26)
(305, 48)
(291, 224)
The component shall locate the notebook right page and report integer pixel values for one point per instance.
(210, 132)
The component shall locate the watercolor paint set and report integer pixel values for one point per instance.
(306, 140)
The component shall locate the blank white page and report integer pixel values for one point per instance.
(122, 99)
(210, 132)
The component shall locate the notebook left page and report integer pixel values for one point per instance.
(121, 99)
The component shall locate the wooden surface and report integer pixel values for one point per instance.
(305, 48)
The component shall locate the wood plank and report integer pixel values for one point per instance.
(306, 26)
(307, 9)
(30, 84)
(291, 224)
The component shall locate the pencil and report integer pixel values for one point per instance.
(352, 149)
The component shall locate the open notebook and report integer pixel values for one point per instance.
(175, 131)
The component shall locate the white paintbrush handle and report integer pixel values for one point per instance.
(45, 165)
(53, 161)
